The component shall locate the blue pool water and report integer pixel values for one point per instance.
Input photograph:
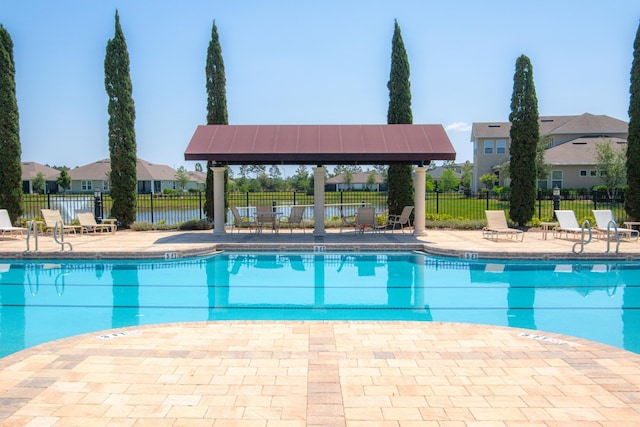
(42, 301)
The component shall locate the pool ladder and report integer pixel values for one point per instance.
(582, 242)
(616, 234)
(33, 227)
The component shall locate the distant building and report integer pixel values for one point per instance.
(31, 169)
(152, 178)
(359, 181)
(571, 151)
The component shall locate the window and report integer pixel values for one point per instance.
(501, 146)
(105, 185)
(86, 185)
(556, 179)
(593, 172)
(583, 172)
(488, 147)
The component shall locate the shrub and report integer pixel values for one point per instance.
(141, 226)
(195, 224)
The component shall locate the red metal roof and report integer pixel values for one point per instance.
(320, 144)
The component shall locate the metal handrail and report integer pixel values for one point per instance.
(615, 227)
(32, 226)
(582, 242)
(61, 242)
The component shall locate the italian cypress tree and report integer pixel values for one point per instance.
(216, 107)
(122, 135)
(632, 196)
(399, 177)
(525, 133)
(10, 151)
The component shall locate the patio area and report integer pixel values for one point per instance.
(329, 373)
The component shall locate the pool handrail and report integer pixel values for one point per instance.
(617, 235)
(582, 242)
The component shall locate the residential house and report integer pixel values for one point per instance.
(436, 172)
(31, 169)
(197, 180)
(152, 178)
(570, 152)
(358, 181)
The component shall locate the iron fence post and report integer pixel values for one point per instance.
(487, 199)
(151, 205)
(539, 203)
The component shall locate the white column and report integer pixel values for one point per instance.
(419, 186)
(219, 213)
(318, 200)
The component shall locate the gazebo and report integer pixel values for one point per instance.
(319, 145)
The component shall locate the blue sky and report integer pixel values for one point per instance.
(303, 62)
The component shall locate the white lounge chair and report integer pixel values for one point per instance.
(497, 226)
(567, 224)
(52, 217)
(604, 218)
(6, 227)
(88, 223)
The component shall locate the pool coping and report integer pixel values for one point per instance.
(316, 247)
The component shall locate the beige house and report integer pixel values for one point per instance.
(359, 181)
(152, 178)
(29, 172)
(570, 151)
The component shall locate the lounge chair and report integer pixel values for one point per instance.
(567, 224)
(6, 227)
(497, 226)
(88, 223)
(295, 218)
(604, 218)
(52, 217)
(403, 220)
(241, 222)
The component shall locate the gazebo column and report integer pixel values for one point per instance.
(419, 185)
(318, 200)
(219, 215)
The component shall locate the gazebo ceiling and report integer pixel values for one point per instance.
(320, 144)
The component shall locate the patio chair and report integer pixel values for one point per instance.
(266, 215)
(366, 217)
(88, 223)
(52, 217)
(346, 220)
(403, 220)
(295, 218)
(604, 218)
(497, 226)
(567, 224)
(239, 221)
(7, 227)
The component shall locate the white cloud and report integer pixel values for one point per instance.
(458, 127)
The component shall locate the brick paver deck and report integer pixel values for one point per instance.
(274, 373)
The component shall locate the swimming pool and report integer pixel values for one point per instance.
(42, 301)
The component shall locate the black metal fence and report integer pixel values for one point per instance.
(173, 209)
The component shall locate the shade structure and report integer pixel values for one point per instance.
(320, 144)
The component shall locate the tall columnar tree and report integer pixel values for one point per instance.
(399, 177)
(632, 196)
(216, 106)
(10, 151)
(525, 134)
(122, 135)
